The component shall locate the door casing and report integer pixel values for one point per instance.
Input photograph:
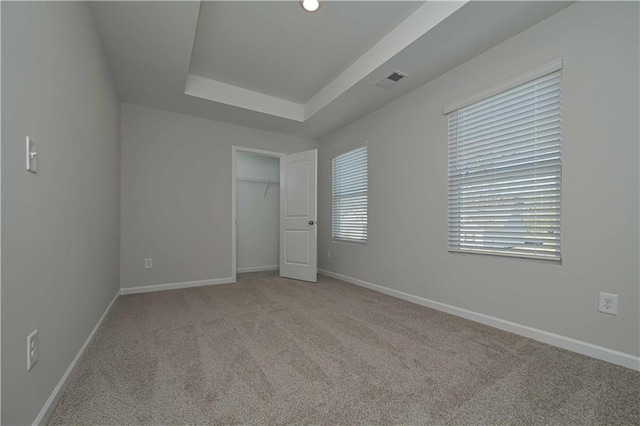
(234, 151)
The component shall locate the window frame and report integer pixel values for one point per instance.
(550, 68)
(335, 238)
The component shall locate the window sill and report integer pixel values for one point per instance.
(547, 260)
(344, 240)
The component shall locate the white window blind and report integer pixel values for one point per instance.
(505, 172)
(350, 187)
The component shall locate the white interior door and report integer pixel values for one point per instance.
(298, 229)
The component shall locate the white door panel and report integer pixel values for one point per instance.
(296, 246)
(298, 229)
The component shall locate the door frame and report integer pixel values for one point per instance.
(234, 224)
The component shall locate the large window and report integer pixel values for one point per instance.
(349, 194)
(505, 171)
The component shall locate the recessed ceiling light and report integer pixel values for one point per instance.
(310, 5)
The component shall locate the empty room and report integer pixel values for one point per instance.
(320, 212)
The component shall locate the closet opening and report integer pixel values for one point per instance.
(255, 210)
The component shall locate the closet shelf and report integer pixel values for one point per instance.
(272, 182)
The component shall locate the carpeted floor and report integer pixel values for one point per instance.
(277, 351)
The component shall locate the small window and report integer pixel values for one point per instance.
(349, 194)
(505, 172)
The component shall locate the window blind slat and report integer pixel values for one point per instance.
(524, 88)
(473, 131)
(350, 195)
(515, 179)
(505, 171)
(535, 154)
(535, 129)
(349, 186)
(510, 125)
(519, 144)
(524, 102)
(349, 174)
(541, 104)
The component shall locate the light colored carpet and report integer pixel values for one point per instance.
(277, 351)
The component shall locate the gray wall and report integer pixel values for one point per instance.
(407, 248)
(257, 211)
(176, 193)
(256, 166)
(60, 228)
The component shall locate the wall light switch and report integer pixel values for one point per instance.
(32, 349)
(148, 263)
(32, 156)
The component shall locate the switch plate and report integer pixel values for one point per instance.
(32, 349)
(32, 155)
(608, 303)
(328, 254)
(148, 263)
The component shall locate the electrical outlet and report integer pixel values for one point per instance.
(148, 263)
(328, 254)
(608, 303)
(32, 349)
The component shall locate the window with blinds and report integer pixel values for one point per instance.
(350, 174)
(505, 172)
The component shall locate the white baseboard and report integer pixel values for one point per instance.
(258, 269)
(49, 406)
(584, 348)
(174, 286)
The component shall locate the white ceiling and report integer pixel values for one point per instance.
(242, 63)
(277, 49)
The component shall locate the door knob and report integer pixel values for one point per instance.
(311, 222)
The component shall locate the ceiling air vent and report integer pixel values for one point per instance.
(390, 80)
